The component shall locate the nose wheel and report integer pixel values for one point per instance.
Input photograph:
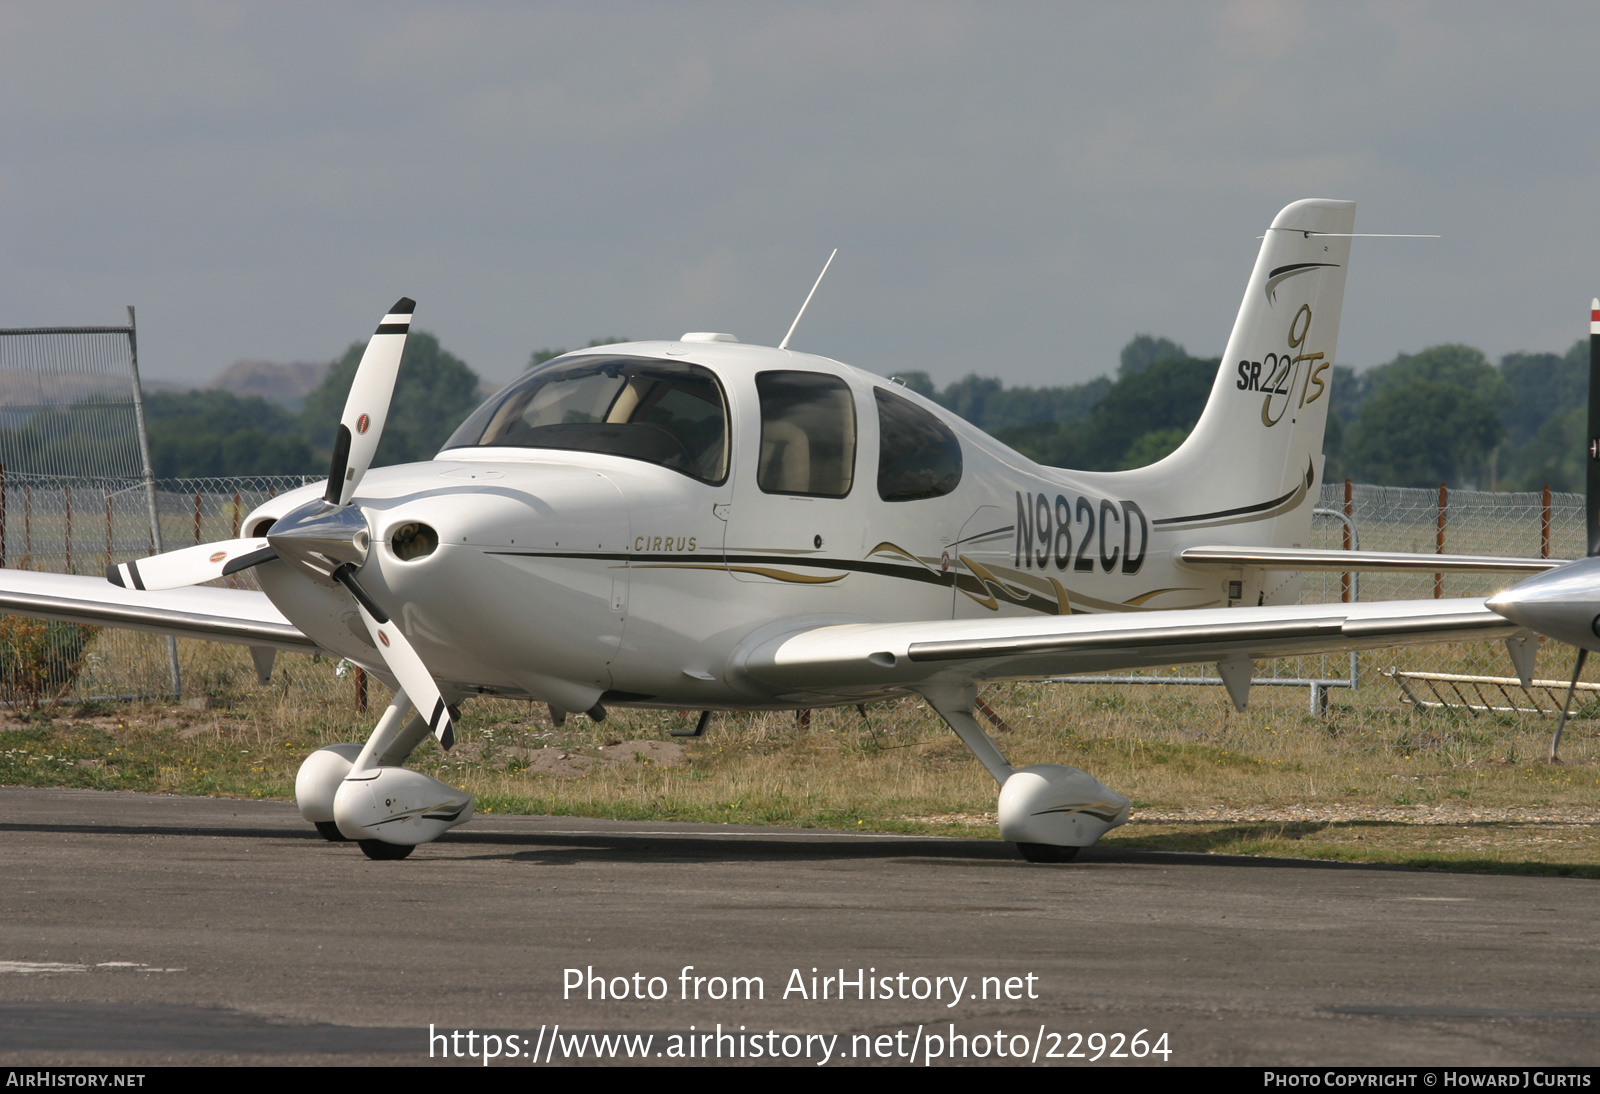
(384, 852)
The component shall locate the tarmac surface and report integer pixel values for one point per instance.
(141, 929)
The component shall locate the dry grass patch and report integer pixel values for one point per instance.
(1370, 782)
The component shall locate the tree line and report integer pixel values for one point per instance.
(1444, 414)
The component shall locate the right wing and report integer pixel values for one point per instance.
(217, 615)
(871, 658)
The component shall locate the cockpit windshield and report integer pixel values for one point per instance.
(669, 413)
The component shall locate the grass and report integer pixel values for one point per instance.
(1179, 753)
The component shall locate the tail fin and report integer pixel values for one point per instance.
(1250, 470)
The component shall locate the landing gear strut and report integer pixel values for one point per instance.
(1048, 810)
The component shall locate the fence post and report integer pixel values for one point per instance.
(361, 690)
(236, 514)
(67, 491)
(108, 530)
(152, 506)
(2, 515)
(1544, 525)
(1344, 580)
(27, 526)
(197, 517)
(1438, 579)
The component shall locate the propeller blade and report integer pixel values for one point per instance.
(192, 565)
(403, 660)
(367, 407)
(1572, 688)
(1592, 497)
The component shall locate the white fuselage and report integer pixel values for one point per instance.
(575, 577)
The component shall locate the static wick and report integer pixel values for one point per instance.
(785, 343)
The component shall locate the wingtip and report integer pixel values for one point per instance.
(404, 306)
(115, 577)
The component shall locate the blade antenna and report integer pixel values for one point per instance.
(785, 343)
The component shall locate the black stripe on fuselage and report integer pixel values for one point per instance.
(1243, 509)
(882, 569)
(967, 582)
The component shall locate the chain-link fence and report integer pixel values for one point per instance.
(1390, 518)
(80, 525)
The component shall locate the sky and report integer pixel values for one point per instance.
(1015, 189)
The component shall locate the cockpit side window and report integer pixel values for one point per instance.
(808, 434)
(669, 413)
(918, 456)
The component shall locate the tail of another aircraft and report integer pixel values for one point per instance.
(1250, 472)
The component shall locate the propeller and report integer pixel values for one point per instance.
(1591, 504)
(327, 539)
(192, 565)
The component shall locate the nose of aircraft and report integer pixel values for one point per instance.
(1561, 604)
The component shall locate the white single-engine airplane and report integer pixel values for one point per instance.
(710, 525)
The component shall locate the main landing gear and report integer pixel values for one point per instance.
(361, 793)
(1049, 811)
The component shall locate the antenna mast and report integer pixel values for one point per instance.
(785, 343)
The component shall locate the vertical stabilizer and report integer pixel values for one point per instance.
(1250, 472)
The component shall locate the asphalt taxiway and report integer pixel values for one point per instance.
(146, 929)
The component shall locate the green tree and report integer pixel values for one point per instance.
(197, 434)
(1163, 400)
(1542, 386)
(1458, 366)
(1423, 432)
(1555, 456)
(1145, 351)
(434, 392)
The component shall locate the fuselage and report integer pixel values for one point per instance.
(638, 571)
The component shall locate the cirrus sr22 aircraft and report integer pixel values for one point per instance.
(710, 525)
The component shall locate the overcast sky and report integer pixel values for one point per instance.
(1015, 189)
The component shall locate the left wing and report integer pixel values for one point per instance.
(219, 615)
(868, 658)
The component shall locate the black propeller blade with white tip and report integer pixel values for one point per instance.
(402, 659)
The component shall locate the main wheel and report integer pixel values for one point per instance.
(1046, 852)
(330, 832)
(383, 852)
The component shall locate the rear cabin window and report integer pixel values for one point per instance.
(669, 413)
(808, 434)
(918, 456)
